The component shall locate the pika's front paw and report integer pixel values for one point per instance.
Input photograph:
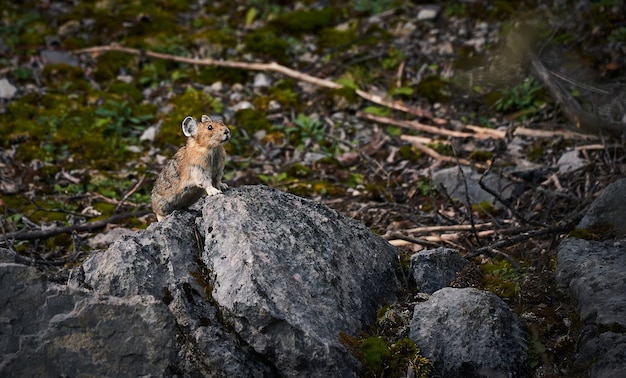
(211, 191)
(222, 186)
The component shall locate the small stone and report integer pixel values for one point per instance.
(242, 105)
(58, 57)
(216, 87)
(148, 134)
(427, 13)
(570, 161)
(135, 149)
(261, 80)
(7, 90)
(446, 48)
(273, 105)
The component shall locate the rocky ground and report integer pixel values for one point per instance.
(430, 102)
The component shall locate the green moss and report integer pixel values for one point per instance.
(333, 38)
(442, 148)
(581, 233)
(376, 192)
(502, 279)
(252, 120)
(485, 207)
(105, 208)
(409, 153)
(434, 89)
(536, 152)
(375, 353)
(210, 74)
(480, 155)
(126, 91)
(328, 189)
(381, 358)
(53, 73)
(305, 21)
(58, 241)
(110, 64)
(298, 170)
(600, 231)
(220, 37)
(284, 93)
(309, 189)
(267, 44)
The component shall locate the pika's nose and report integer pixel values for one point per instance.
(227, 133)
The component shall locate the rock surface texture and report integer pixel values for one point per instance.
(594, 273)
(260, 285)
(435, 269)
(469, 333)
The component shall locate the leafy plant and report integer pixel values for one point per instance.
(525, 98)
(114, 117)
(308, 129)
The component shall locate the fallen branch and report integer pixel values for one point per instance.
(397, 235)
(516, 240)
(456, 227)
(523, 131)
(266, 67)
(31, 235)
(436, 155)
(487, 132)
(413, 125)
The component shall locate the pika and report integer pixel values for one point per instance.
(196, 168)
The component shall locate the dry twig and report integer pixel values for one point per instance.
(413, 125)
(41, 234)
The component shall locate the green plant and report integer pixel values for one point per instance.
(378, 111)
(393, 59)
(501, 278)
(381, 358)
(373, 6)
(114, 117)
(525, 98)
(426, 186)
(307, 130)
(455, 9)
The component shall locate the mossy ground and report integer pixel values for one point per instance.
(71, 136)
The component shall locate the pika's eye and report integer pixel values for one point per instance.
(210, 127)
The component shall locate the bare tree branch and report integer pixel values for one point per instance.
(31, 235)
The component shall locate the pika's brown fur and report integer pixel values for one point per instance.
(196, 168)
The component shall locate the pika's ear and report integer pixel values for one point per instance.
(206, 118)
(190, 127)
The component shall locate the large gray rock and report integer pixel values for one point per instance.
(609, 209)
(469, 333)
(435, 269)
(291, 274)
(595, 274)
(260, 286)
(51, 330)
